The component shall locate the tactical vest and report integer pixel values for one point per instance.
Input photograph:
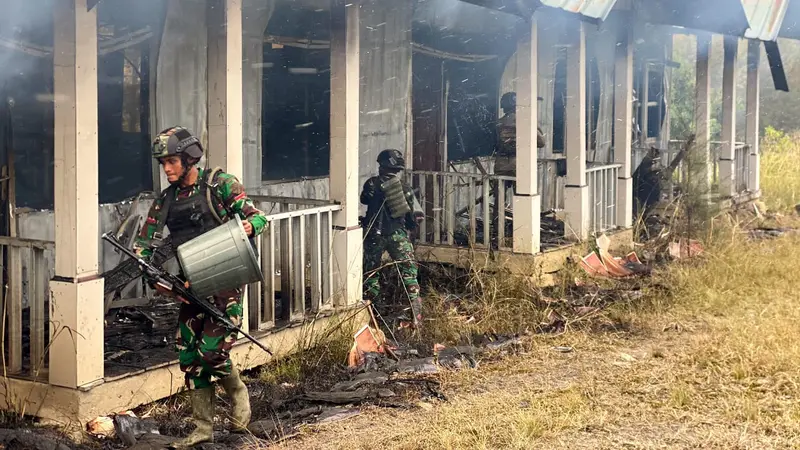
(188, 217)
(192, 216)
(396, 200)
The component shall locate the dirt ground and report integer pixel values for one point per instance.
(714, 367)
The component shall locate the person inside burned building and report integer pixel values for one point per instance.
(505, 162)
(506, 153)
(392, 213)
(202, 343)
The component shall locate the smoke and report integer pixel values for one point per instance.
(25, 37)
(26, 17)
(458, 16)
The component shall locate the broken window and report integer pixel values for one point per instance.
(296, 122)
(131, 94)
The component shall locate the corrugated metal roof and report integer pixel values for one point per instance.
(596, 9)
(717, 16)
(765, 18)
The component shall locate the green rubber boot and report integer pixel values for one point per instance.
(237, 391)
(203, 416)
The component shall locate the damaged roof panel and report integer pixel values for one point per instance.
(595, 9)
(717, 16)
(765, 18)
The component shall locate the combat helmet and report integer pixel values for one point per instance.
(177, 141)
(391, 159)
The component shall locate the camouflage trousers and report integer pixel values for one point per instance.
(203, 344)
(401, 251)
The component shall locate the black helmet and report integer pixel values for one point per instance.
(391, 159)
(508, 101)
(177, 141)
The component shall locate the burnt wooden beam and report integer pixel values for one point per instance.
(776, 66)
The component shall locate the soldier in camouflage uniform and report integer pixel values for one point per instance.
(203, 344)
(506, 158)
(391, 214)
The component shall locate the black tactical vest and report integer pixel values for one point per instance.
(188, 217)
(378, 218)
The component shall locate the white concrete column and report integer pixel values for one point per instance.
(225, 93)
(727, 151)
(344, 165)
(702, 109)
(753, 107)
(576, 195)
(225, 110)
(76, 304)
(527, 202)
(623, 112)
(256, 15)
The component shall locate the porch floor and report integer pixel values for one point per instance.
(143, 337)
(552, 233)
(544, 264)
(138, 338)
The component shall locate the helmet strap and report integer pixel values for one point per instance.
(186, 166)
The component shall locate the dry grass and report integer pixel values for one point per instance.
(715, 366)
(780, 181)
(715, 363)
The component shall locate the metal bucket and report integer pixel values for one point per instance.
(219, 260)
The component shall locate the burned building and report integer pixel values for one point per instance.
(297, 98)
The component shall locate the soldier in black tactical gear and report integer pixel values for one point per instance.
(392, 211)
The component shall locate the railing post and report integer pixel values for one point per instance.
(752, 122)
(76, 331)
(344, 165)
(727, 155)
(576, 201)
(527, 202)
(623, 98)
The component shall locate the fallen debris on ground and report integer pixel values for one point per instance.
(761, 233)
(29, 439)
(685, 248)
(366, 340)
(601, 263)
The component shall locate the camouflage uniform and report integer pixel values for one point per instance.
(385, 234)
(203, 345)
(506, 159)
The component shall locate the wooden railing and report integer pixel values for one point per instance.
(26, 268)
(461, 208)
(741, 161)
(602, 181)
(550, 186)
(742, 167)
(296, 260)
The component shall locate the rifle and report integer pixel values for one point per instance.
(176, 286)
(128, 270)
